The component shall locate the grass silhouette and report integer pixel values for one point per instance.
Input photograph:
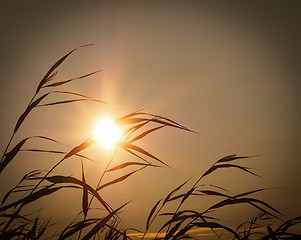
(179, 223)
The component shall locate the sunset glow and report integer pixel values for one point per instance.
(141, 120)
(106, 132)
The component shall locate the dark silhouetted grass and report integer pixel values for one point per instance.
(178, 224)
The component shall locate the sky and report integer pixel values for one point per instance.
(228, 70)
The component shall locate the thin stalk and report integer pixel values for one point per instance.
(14, 133)
(181, 203)
(7, 146)
(37, 185)
(98, 184)
(151, 222)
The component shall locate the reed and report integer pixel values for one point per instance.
(179, 223)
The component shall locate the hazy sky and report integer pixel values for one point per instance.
(229, 70)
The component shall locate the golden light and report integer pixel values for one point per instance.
(106, 132)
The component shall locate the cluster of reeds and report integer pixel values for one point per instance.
(178, 224)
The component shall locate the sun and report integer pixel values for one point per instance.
(106, 132)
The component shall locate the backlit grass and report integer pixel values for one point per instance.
(182, 222)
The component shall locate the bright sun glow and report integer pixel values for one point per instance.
(107, 132)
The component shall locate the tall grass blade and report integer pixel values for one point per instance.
(135, 128)
(64, 179)
(182, 232)
(173, 230)
(282, 229)
(77, 94)
(215, 167)
(52, 76)
(77, 227)
(31, 198)
(55, 152)
(72, 79)
(173, 192)
(49, 139)
(171, 125)
(128, 121)
(68, 101)
(85, 192)
(10, 155)
(10, 234)
(142, 135)
(171, 121)
(187, 195)
(127, 164)
(182, 195)
(213, 193)
(215, 225)
(185, 215)
(136, 155)
(27, 111)
(232, 158)
(154, 118)
(120, 120)
(117, 180)
(272, 235)
(43, 229)
(57, 64)
(127, 145)
(231, 201)
(79, 148)
(249, 192)
(151, 214)
(102, 223)
(32, 232)
(16, 216)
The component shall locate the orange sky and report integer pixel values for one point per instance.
(228, 71)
